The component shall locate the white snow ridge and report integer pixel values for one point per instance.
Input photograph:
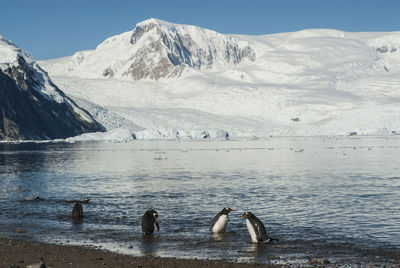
(165, 80)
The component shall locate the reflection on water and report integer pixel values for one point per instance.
(335, 198)
(148, 245)
(216, 237)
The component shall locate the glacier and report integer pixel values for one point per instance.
(165, 80)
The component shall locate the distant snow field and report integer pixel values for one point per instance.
(164, 80)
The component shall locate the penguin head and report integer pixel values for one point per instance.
(247, 215)
(153, 213)
(226, 210)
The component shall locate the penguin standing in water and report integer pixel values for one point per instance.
(77, 211)
(256, 228)
(149, 219)
(220, 221)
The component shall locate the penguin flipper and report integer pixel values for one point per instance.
(214, 221)
(157, 226)
(260, 231)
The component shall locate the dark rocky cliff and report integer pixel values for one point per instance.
(27, 114)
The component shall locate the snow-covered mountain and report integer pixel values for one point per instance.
(170, 80)
(31, 106)
(155, 49)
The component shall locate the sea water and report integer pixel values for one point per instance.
(335, 198)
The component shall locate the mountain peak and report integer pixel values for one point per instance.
(157, 49)
(156, 22)
(177, 47)
(10, 53)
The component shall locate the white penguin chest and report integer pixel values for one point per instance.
(252, 232)
(220, 225)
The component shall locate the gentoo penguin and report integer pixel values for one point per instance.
(149, 219)
(220, 221)
(256, 228)
(77, 211)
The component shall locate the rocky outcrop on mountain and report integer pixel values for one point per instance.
(31, 105)
(179, 46)
(156, 49)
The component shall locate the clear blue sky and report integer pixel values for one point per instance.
(56, 28)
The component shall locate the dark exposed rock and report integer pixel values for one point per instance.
(205, 135)
(108, 72)
(386, 49)
(383, 49)
(27, 114)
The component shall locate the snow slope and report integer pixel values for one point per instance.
(311, 82)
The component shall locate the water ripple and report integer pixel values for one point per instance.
(316, 201)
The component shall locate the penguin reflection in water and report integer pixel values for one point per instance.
(149, 219)
(256, 229)
(220, 221)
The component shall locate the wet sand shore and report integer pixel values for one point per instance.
(21, 253)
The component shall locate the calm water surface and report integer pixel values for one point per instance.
(324, 198)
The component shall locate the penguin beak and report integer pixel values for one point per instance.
(241, 216)
(232, 209)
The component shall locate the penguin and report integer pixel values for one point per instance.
(220, 221)
(77, 211)
(149, 219)
(256, 228)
